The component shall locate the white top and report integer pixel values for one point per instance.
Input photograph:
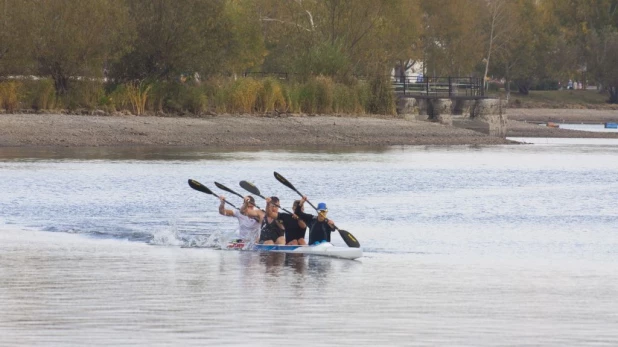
(248, 228)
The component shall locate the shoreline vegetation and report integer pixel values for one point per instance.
(264, 113)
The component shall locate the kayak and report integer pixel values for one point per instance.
(324, 248)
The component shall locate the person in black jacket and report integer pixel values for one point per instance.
(295, 227)
(320, 227)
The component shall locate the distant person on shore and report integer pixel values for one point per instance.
(570, 84)
(248, 227)
(272, 230)
(320, 227)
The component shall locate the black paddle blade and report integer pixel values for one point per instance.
(284, 181)
(349, 239)
(250, 188)
(222, 187)
(200, 187)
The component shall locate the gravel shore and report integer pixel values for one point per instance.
(21, 130)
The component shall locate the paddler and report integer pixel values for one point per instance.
(319, 226)
(295, 227)
(272, 230)
(248, 227)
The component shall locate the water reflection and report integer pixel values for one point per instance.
(167, 153)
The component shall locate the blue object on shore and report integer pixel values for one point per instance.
(611, 125)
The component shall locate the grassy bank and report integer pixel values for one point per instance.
(318, 95)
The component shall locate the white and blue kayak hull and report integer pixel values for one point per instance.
(325, 249)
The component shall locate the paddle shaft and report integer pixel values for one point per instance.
(222, 187)
(275, 204)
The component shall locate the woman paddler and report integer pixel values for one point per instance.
(319, 226)
(272, 230)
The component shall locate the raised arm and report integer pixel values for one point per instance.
(305, 217)
(251, 212)
(222, 209)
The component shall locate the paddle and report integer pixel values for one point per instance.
(348, 238)
(202, 188)
(251, 188)
(222, 187)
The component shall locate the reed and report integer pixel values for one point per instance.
(324, 94)
(346, 100)
(244, 95)
(9, 95)
(138, 96)
(119, 98)
(271, 96)
(85, 94)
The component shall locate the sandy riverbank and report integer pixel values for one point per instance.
(525, 122)
(228, 131)
(18, 130)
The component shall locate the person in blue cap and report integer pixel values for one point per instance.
(320, 227)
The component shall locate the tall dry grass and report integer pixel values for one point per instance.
(138, 96)
(271, 96)
(244, 95)
(321, 95)
(9, 95)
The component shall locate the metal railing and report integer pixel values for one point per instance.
(432, 87)
(422, 86)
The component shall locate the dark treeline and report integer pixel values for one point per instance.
(151, 51)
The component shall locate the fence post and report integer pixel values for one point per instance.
(450, 87)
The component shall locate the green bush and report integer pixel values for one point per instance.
(42, 94)
(545, 84)
(118, 98)
(84, 94)
(382, 99)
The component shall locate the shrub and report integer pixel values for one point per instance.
(243, 95)
(382, 100)
(39, 94)
(138, 95)
(271, 96)
(324, 94)
(9, 95)
(84, 94)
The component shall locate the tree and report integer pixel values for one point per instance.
(245, 47)
(15, 29)
(452, 41)
(501, 28)
(590, 26)
(338, 37)
(76, 38)
(175, 37)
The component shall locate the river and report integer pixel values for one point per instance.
(463, 245)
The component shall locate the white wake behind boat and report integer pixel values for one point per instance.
(325, 249)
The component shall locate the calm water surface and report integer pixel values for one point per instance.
(464, 246)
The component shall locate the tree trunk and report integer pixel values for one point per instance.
(61, 83)
(613, 94)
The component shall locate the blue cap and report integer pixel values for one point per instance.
(322, 206)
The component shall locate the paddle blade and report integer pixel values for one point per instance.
(349, 239)
(222, 187)
(284, 181)
(200, 187)
(250, 187)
